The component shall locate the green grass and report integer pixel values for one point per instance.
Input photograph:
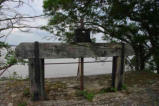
(26, 92)
(87, 95)
(124, 87)
(22, 103)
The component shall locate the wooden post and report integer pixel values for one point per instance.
(114, 67)
(121, 80)
(81, 68)
(42, 80)
(118, 70)
(36, 74)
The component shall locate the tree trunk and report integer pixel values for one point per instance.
(155, 52)
(137, 58)
(142, 59)
(154, 39)
(156, 59)
(157, 69)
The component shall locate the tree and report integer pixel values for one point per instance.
(11, 19)
(115, 19)
(68, 15)
(129, 33)
(146, 16)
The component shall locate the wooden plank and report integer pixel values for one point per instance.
(64, 50)
(36, 75)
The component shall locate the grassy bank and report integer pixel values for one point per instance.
(139, 87)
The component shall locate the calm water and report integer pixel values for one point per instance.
(64, 70)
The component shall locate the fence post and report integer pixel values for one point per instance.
(36, 75)
(118, 69)
(114, 71)
(42, 80)
(121, 80)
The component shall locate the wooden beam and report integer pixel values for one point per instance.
(64, 50)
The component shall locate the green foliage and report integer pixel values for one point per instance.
(88, 95)
(11, 60)
(111, 89)
(22, 103)
(131, 21)
(145, 17)
(103, 91)
(15, 76)
(124, 87)
(26, 92)
(69, 37)
(10, 57)
(93, 40)
(70, 14)
(3, 44)
(3, 78)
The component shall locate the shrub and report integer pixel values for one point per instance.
(124, 87)
(26, 92)
(102, 91)
(88, 95)
(111, 89)
(23, 103)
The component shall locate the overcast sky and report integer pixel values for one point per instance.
(33, 8)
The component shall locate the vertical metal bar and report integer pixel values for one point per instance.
(82, 74)
(78, 70)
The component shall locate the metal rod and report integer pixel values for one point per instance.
(82, 74)
(78, 62)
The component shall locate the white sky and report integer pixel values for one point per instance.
(33, 8)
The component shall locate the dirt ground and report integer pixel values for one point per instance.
(140, 89)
